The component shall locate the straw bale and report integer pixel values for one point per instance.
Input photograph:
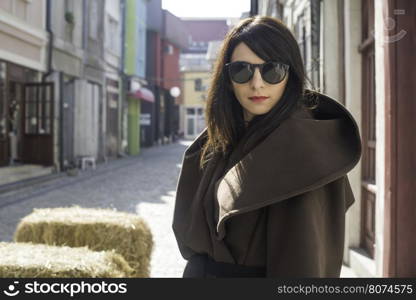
(98, 229)
(22, 260)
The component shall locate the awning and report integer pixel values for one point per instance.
(144, 94)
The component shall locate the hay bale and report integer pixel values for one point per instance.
(98, 229)
(21, 260)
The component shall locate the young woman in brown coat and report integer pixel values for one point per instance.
(263, 190)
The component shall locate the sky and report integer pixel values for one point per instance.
(206, 8)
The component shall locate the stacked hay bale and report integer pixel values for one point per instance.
(98, 229)
(19, 260)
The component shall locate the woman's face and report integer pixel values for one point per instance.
(256, 87)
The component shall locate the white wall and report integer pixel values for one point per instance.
(86, 119)
(331, 55)
(380, 134)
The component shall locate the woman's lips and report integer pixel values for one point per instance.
(258, 98)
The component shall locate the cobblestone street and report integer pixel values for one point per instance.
(144, 185)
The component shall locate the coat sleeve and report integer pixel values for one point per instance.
(305, 234)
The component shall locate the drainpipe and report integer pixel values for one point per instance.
(48, 73)
(50, 44)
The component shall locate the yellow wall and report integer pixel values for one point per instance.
(190, 96)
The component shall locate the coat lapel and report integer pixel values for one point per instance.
(302, 154)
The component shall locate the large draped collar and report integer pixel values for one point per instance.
(308, 150)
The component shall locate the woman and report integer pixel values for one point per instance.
(263, 191)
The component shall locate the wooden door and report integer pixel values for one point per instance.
(37, 123)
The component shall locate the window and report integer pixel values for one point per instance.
(38, 108)
(198, 84)
(112, 35)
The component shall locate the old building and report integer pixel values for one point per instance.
(359, 52)
(196, 60)
(67, 70)
(112, 56)
(166, 37)
(27, 104)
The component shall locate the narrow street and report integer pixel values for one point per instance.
(144, 184)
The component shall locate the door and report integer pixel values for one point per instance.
(4, 133)
(195, 122)
(37, 124)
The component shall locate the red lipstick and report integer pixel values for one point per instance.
(258, 98)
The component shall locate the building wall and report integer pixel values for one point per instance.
(193, 100)
(191, 97)
(380, 82)
(135, 52)
(112, 40)
(94, 79)
(141, 38)
(171, 74)
(154, 15)
(22, 33)
(153, 58)
(94, 41)
(87, 114)
(64, 32)
(131, 44)
(331, 55)
(112, 57)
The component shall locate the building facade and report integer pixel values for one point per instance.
(135, 71)
(27, 103)
(196, 61)
(361, 63)
(194, 88)
(112, 56)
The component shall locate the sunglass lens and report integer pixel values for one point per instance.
(273, 72)
(240, 72)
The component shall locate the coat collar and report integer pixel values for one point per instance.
(307, 151)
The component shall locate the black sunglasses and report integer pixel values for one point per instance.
(272, 72)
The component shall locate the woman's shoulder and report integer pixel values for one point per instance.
(319, 106)
(197, 144)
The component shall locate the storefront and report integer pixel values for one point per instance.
(26, 117)
(140, 125)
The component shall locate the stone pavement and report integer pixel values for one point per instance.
(144, 184)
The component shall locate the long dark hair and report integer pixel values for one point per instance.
(270, 39)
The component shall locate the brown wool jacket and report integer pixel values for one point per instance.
(282, 206)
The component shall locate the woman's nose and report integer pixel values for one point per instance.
(257, 81)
